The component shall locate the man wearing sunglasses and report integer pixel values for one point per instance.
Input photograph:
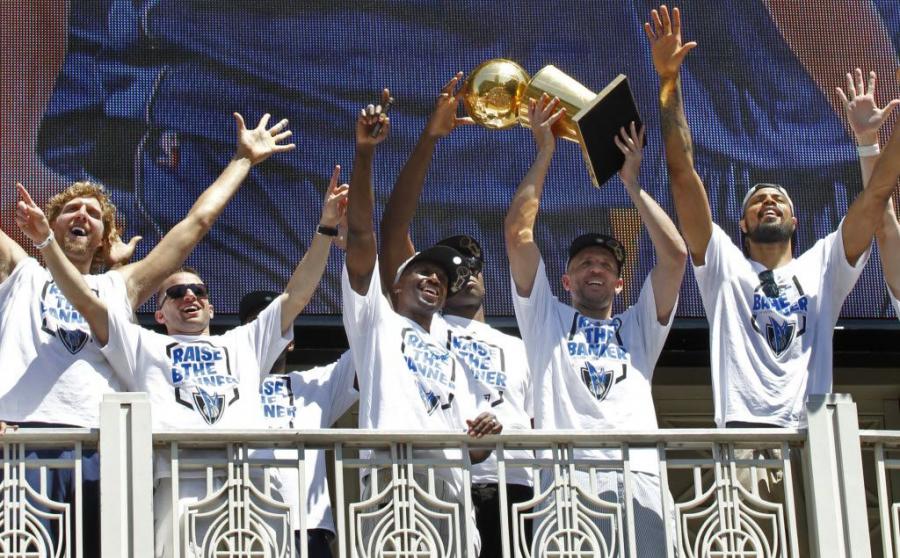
(494, 361)
(771, 315)
(592, 368)
(194, 380)
(53, 374)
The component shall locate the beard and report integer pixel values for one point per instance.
(771, 233)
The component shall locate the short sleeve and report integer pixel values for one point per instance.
(838, 270)
(122, 348)
(532, 312)
(265, 336)
(652, 333)
(720, 252)
(361, 315)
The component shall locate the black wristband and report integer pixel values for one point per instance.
(327, 231)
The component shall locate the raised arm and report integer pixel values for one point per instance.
(671, 253)
(308, 274)
(32, 221)
(10, 255)
(872, 211)
(361, 247)
(688, 192)
(518, 226)
(865, 120)
(396, 244)
(254, 146)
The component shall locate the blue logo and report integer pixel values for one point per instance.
(597, 381)
(209, 405)
(779, 335)
(72, 339)
(433, 369)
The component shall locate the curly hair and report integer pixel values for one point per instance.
(108, 214)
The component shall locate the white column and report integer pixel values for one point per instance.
(126, 476)
(835, 494)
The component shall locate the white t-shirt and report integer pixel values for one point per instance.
(498, 373)
(198, 381)
(308, 400)
(408, 380)
(592, 375)
(769, 353)
(52, 370)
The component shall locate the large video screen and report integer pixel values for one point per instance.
(138, 95)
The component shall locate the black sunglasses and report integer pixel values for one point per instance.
(768, 284)
(178, 291)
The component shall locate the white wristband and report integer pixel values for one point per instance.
(868, 150)
(44, 243)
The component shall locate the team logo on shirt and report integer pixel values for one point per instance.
(774, 316)
(61, 320)
(201, 375)
(484, 362)
(277, 399)
(433, 369)
(596, 350)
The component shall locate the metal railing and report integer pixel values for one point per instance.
(717, 493)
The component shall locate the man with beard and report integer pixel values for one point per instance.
(195, 380)
(771, 315)
(53, 371)
(494, 361)
(592, 369)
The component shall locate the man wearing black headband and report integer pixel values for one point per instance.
(407, 377)
(592, 369)
(771, 315)
(194, 380)
(494, 361)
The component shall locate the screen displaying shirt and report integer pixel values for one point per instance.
(53, 370)
(308, 400)
(498, 374)
(408, 380)
(589, 374)
(771, 330)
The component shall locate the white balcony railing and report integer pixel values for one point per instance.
(725, 493)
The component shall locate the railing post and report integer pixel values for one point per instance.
(126, 476)
(835, 495)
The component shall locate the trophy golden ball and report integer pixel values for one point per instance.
(493, 91)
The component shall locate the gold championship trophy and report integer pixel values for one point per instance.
(496, 95)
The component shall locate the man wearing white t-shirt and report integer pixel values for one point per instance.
(407, 377)
(494, 361)
(53, 372)
(592, 370)
(194, 380)
(771, 315)
(307, 400)
(865, 119)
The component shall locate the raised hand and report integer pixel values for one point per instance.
(334, 210)
(542, 117)
(120, 253)
(368, 118)
(260, 143)
(665, 41)
(631, 144)
(443, 119)
(30, 218)
(863, 114)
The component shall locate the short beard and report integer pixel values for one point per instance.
(771, 233)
